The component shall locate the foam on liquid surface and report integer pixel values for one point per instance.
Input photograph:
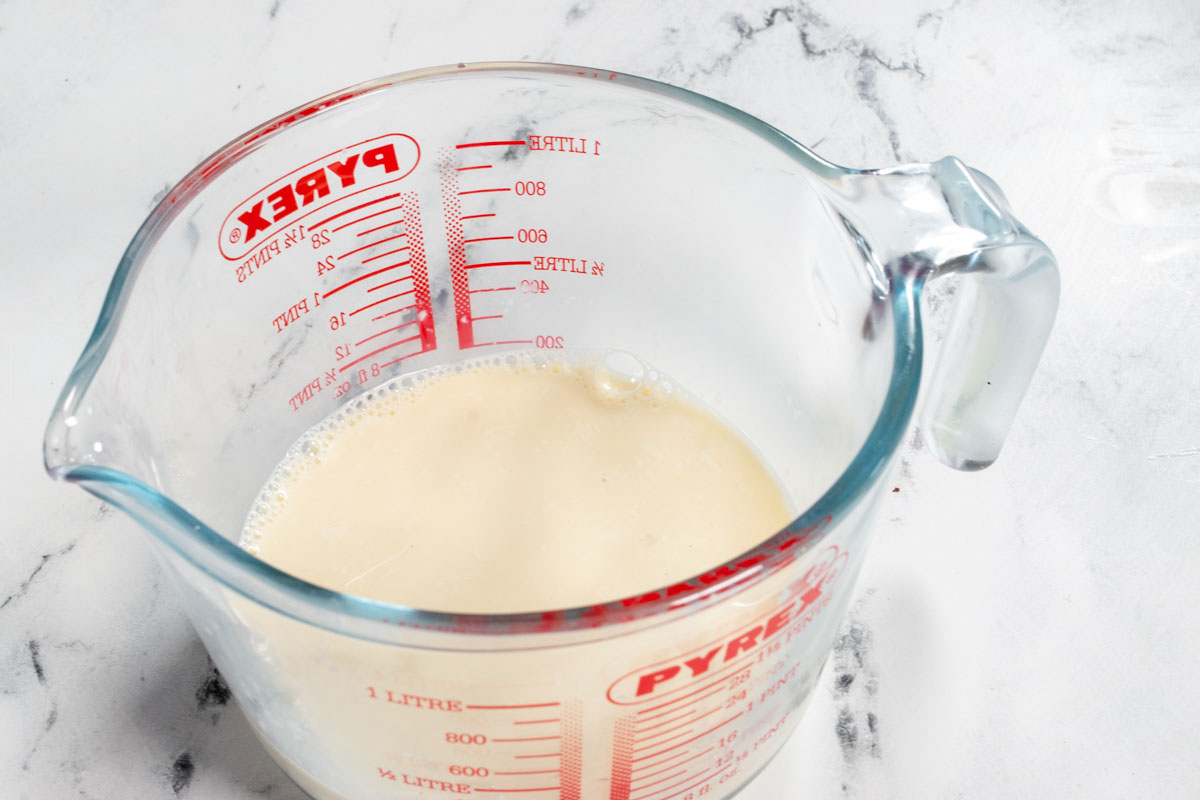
(512, 485)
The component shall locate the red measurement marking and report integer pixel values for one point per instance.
(384, 255)
(529, 739)
(718, 726)
(364, 219)
(527, 705)
(530, 772)
(384, 300)
(487, 239)
(699, 699)
(398, 360)
(664, 741)
(689, 787)
(384, 333)
(497, 289)
(666, 722)
(488, 144)
(391, 224)
(485, 191)
(372, 244)
(477, 216)
(662, 780)
(672, 758)
(724, 672)
(481, 166)
(534, 721)
(416, 253)
(664, 769)
(542, 755)
(390, 313)
(492, 316)
(541, 789)
(497, 264)
(452, 208)
(664, 761)
(511, 341)
(390, 283)
(677, 727)
(327, 220)
(706, 776)
(353, 281)
(377, 352)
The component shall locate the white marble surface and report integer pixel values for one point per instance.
(1028, 631)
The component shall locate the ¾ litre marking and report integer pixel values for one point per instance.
(541, 755)
(486, 191)
(480, 166)
(535, 721)
(512, 143)
(529, 739)
(477, 216)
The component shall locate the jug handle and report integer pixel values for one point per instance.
(999, 324)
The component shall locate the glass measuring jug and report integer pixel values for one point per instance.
(449, 214)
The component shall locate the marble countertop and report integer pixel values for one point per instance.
(1026, 631)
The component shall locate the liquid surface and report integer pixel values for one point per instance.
(511, 486)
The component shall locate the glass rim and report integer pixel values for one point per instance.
(240, 571)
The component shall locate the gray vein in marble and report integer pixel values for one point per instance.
(936, 17)
(811, 27)
(579, 10)
(46, 558)
(1191, 451)
(274, 9)
(181, 773)
(855, 687)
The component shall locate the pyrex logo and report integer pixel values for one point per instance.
(714, 661)
(313, 186)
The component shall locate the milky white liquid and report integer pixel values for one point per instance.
(518, 485)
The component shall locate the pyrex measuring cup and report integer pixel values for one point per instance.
(470, 211)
